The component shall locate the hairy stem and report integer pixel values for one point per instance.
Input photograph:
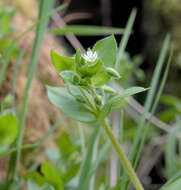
(117, 147)
(123, 157)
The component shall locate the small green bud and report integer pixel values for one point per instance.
(85, 82)
(108, 89)
(70, 77)
(79, 99)
(112, 72)
(98, 100)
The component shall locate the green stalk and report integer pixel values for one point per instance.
(123, 157)
(45, 6)
(117, 147)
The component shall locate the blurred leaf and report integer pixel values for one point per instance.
(62, 63)
(8, 128)
(173, 186)
(81, 30)
(67, 103)
(51, 176)
(172, 101)
(39, 179)
(167, 115)
(107, 50)
(71, 172)
(6, 16)
(174, 178)
(65, 146)
(170, 154)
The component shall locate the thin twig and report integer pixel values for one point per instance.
(59, 22)
(76, 16)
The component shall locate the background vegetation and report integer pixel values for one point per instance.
(40, 148)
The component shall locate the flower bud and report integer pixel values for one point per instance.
(108, 89)
(112, 72)
(79, 99)
(98, 100)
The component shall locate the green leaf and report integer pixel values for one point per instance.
(174, 186)
(125, 93)
(8, 128)
(39, 179)
(62, 63)
(81, 30)
(116, 99)
(51, 176)
(68, 104)
(65, 146)
(107, 50)
(174, 178)
(99, 79)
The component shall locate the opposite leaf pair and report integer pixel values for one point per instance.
(87, 98)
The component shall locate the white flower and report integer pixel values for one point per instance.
(90, 56)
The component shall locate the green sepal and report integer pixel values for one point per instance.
(90, 69)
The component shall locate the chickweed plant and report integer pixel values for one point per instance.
(91, 91)
(88, 97)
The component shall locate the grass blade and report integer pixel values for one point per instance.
(170, 152)
(154, 108)
(82, 30)
(83, 182)
(11, 47)
(45, 6)
(147, 105)
(126, 36)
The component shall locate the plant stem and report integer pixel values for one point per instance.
(117, 147)
(123, 157)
